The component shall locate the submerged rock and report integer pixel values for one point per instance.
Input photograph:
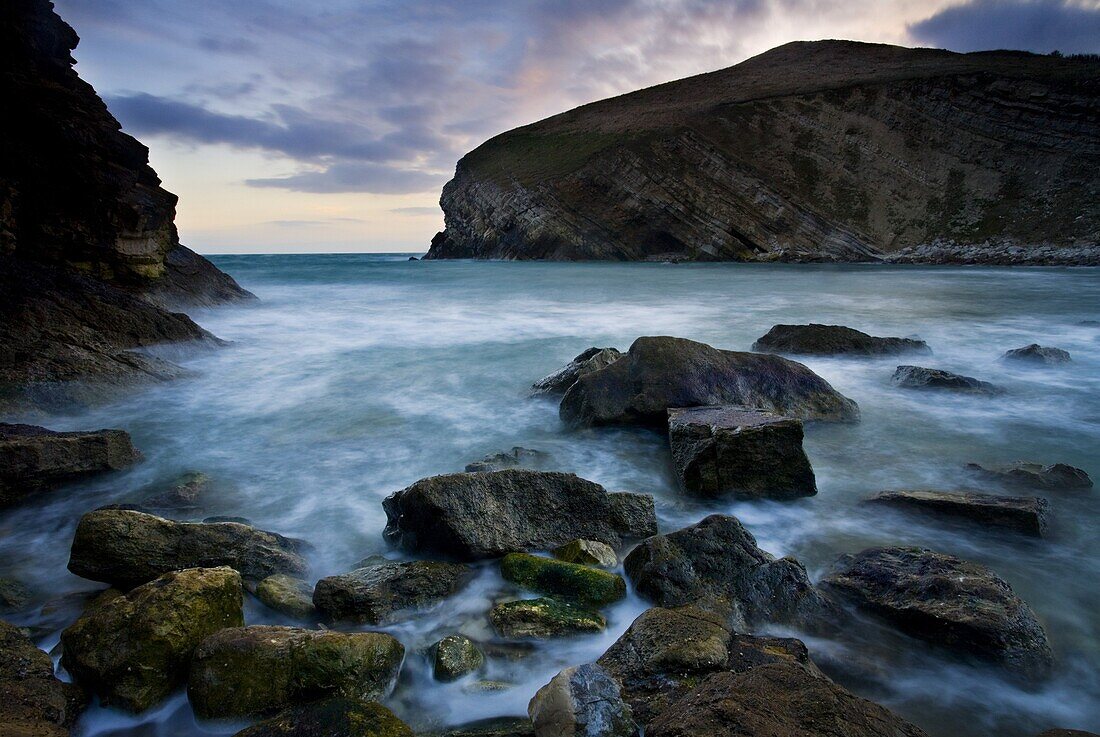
(486, 515)
(34, 702)
(545, 617)
(583, 701)
(919, 377)
(34, 459)
(332, 717)
(186, 492)
(587, 362)
(951, 602)
(1037, 355)
(517, 457)
(1035, 475)
(454, 657)
(291, 596)
(13, 595)
(587, 552)
(388, 592)
(716, 563)
(126, 548)
(1026, 514)
(135, 649)
(778, 700)
(833, 340)
(245, 671)
(588, 586)
(659, 373)
(740, 453)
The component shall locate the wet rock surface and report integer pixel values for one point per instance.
(1026, 474)
(919, 377)
(739, 453)
(1028, 515)
(947, 601)
(134, 650)
(127, 548)
(1037, 355)
(544, 617)
(388, 592)
(455, 656)
(517, 457)
(188, 492)
(333, 717)
(659, 373)
(34, 702)
(246, 671)
(288, 595)
(833, 340)
(587, 552)
(486, 515)
(588, 586)
(582, 701)
(583, 364)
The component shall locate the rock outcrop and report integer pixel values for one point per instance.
(833, 340)
(813, 151)
(1029, 515)
(584, 363)
(34, 702)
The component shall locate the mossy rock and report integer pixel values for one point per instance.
(134, 650)
(587, 553)
(330, 717)
(247, 671)
(455, 656)
(288, 595)
(544, 617)
(583, 584)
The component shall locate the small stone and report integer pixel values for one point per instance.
(487, 686)
(286, 594)
(1025, 514)
(583, 701)
(919, 377)
(388, 592)
(587, 552)
(454, 657)
(332, 717)
(583, 584)
(1037, 355)
(545, 617)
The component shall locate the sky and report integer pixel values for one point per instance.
(331, 125)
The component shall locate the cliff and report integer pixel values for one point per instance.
(818, 151)
(90, 259)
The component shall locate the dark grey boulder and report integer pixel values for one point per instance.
(739, 453)
(659, 373)
(919, 377)
(470, 516)
(33, 702)
(126, 548)
(948, 601)
(1026, 514)
(1031, 475)
(517, 457)
(34, 459)
(1037, 355)
(582, 701)
(833, 340)
(388, 592)
(587, 362)
(716, 563)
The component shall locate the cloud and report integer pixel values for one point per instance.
(356, 177)
(1031, 25)
(416, 211)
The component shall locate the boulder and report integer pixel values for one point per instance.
(660, 372)
(587, 552)
(13, 595)
(288, 595)
(739, 453)
(582, 701)
(187, 492)
(716, 563)
(454, 657)
(332, 717)
(947, 601)
(486, 515)
(833, 340)
(35, 702)
(1037, 355)
(583, 584)
(919, 377)
(545, 617)
(586, 363)
(1035, 475)
(245, 671)
(1025, 514)
(388, 592)
(491, 727)
(127, 548)
(666, 652)
(517, 457)
(135, 649)
(777, 700)
(34, 459)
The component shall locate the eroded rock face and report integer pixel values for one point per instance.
(950, 602)
(388, 592)
(780, 699)
(246, 671)
(1025, 514)
(35, 703)
(1032, 475)
(335, 717)
(1037, 355)
(659, 373)
(127, 548)
(739, 453)
(486, 515)
(33, 459)
(135, 649)
(833, 340)
(585, 363)
(583, 701)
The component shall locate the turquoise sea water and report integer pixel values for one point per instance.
(355, 375)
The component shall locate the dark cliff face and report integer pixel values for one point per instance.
(813, 151)
(89, 254)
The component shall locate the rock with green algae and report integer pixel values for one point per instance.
(33, 702)
(544, 617)
(588, 553)
(133, 650)
(288, 595)
(332, 717)
(589, 586)
(384, 592)
(454, 657)
(245, 671)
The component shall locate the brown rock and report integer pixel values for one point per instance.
(35, 703)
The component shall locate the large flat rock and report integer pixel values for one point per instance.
(833, 340)
(1025, 514)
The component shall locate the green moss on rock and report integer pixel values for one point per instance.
(589, 586)
(544, 617)
(455, 656)
(286, 594)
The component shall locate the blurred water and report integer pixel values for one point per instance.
(355, 375)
